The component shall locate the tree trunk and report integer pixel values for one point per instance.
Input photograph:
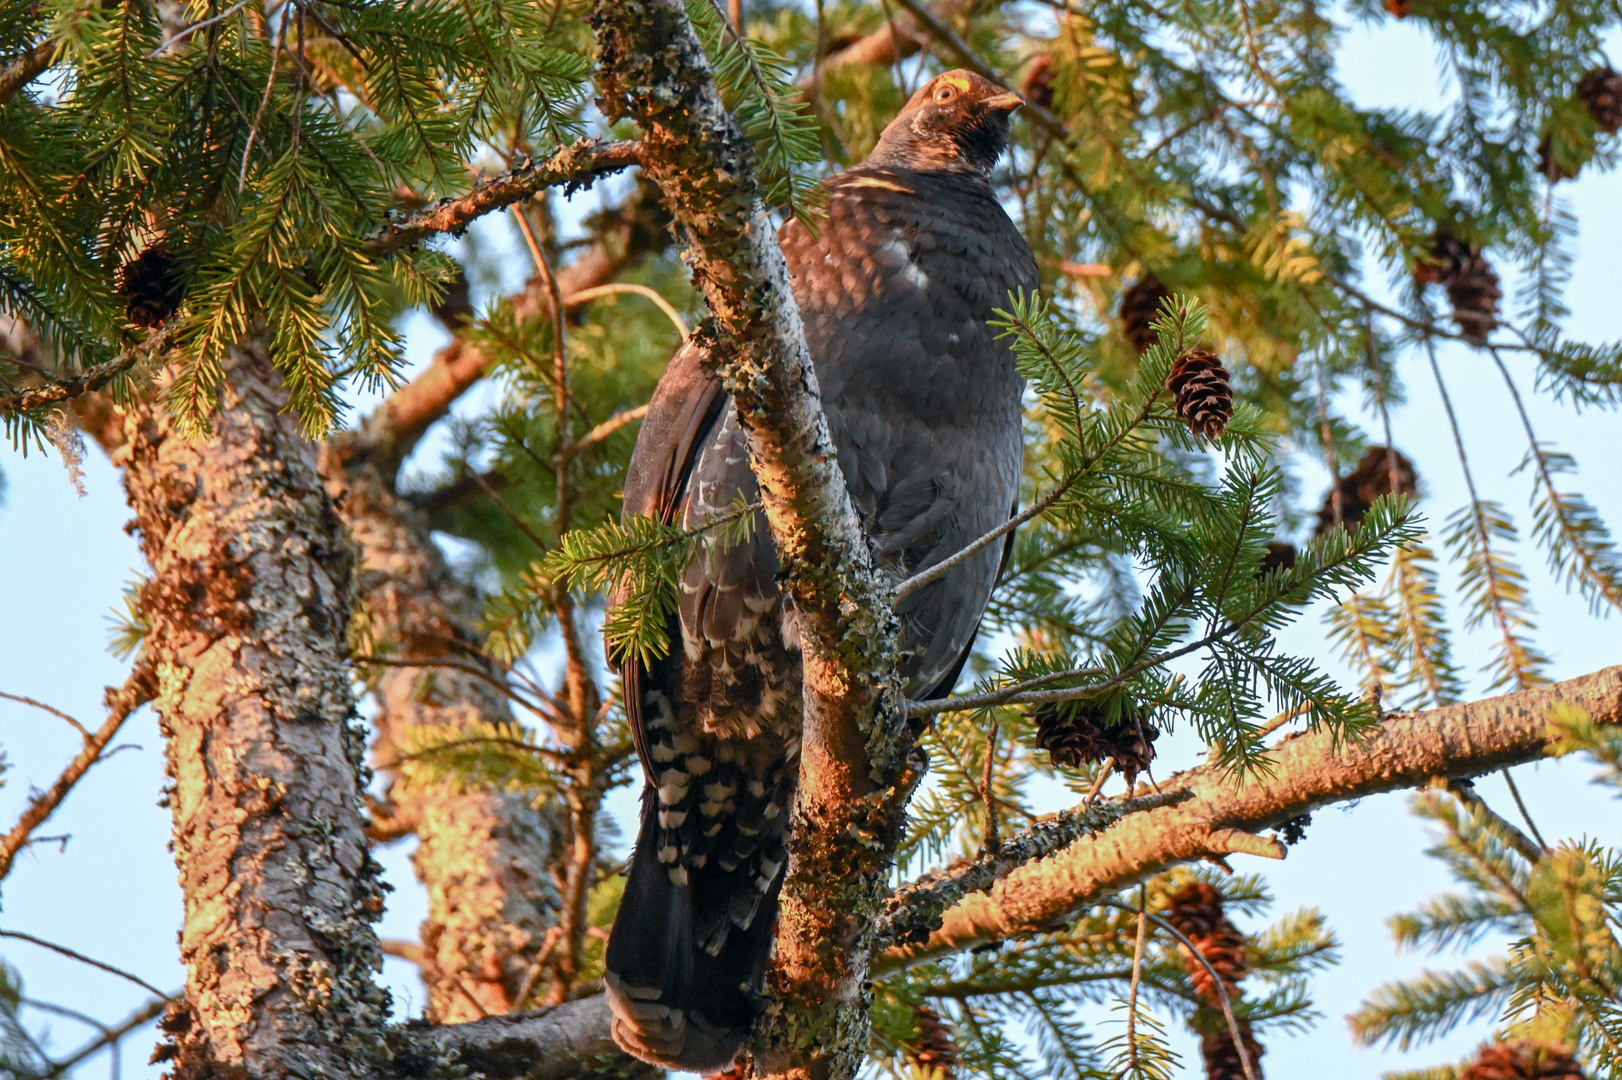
(482, 855)
(248, 605)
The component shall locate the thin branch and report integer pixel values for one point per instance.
(585, 295)
(1466, 792)
(574, 165)
(58, 713)
(111, 1036)
(605, 429)
(137, 690)
(83, 959)
(26, 68)
(1137, 977)
(1216, 981)
(194, 27)
(1526, 815)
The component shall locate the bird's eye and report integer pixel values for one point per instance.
(945, 93)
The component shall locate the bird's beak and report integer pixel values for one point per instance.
(1007, 101)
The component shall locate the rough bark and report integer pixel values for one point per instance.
(1222, 816)
(844, 832)
(249, 603)
(481, 855)
(566, 1041)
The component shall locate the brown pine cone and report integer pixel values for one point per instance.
(1601, 93)
(1204, 398)
(1359, 490)
(1280, 555)
(1471, 283)
(1222, 1058)
(1140, 306)
(1474, 294)
(1399, 8)
(1522, 1061)
(152, 287)
(1077, 735)
(1196, 911)
(1038, 85)
(934, 1050)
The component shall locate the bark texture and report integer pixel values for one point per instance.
(481, 855)
(249, 604)
(845, 827)
(1222, 816)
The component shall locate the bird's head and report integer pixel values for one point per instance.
(957, 121)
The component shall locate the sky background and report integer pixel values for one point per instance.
(110, 890)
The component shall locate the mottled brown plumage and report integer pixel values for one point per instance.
(923, 405)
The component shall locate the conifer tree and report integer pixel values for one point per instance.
(213, 218)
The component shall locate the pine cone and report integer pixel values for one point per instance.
(934, 1050)
(1359, 490)
(1140, 306)
(1076, 735)
(1601, 93)
(1280, 555)
(1199, 383)
(1196, 911)
(1522, 1061)
(1222, 1058)
(1400, 8)
(1038, 85)
(152, 286)
(456, 307)
(1471, 283)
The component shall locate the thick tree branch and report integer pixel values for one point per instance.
(560, 1043)
(138, 689)
(914, 910)
(576, 164)
(25, 69)
(1309, 770)
(654, 69)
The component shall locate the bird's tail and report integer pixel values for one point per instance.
(675, 1004)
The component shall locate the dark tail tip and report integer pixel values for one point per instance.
(676, 1005)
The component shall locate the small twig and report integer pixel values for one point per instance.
(196, 26)
(1137, 978)
(137, 690)
(411, 951)
(1098, 784)
(585, 295)
(58, 713)
(83, 959)
(144, 1015)
(606, 428)
(1526, 815)
(1014, 692)
(993, 843)
(533, 974)
(1216, 981)
(264, 103)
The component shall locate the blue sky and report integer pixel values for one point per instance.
(110, 891)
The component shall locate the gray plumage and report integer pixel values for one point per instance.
(924, 408)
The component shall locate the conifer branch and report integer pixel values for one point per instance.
(1304, 772)
(85, 382)
(574, 165)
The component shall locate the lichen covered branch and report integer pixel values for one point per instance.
(1222, 815)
